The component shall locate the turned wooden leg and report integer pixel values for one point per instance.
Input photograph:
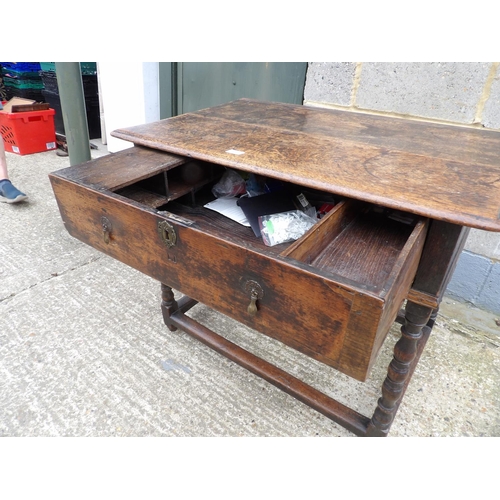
(400, 369)
(168, 305)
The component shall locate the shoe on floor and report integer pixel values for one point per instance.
(9, 193)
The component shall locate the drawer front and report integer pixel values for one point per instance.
(302, 308)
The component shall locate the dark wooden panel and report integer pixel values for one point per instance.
(399, 283)
(117, 170)
(442, 250)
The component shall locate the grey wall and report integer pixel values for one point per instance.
(465, 93)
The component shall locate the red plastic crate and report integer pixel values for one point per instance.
(28, 132)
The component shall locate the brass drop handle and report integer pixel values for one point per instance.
(256, 293)
(252, 308)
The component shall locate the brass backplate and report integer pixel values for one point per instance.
(167, 233)
(254, 289)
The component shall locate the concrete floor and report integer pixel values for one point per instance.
(84, 352)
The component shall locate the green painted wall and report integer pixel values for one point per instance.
(189, 86)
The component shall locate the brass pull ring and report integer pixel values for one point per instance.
(256, 293)
(252, 307)
(106, 229)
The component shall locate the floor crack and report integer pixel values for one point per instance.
(52, 276)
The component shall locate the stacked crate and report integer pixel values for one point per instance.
(30, 130)
(3, 93)
(22, 79)
(90, 90)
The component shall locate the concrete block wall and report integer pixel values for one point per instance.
(465, 93)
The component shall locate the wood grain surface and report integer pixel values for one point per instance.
(444, 172)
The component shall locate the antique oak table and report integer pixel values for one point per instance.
(405, 193)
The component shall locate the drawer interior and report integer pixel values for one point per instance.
(185, 189)
(356, 241)
(366, 250)
(182, 182)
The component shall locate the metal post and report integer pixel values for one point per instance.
(69, 81)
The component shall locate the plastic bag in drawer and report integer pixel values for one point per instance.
(284, 227)
(230, 185)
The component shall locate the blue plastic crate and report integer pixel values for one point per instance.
(22, 66)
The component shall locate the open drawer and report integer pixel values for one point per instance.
(333, 294)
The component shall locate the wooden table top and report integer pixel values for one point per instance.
(444, 172)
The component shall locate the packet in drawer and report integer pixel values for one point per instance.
(284, 227)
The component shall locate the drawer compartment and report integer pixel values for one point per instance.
(358, 242)
(332, 295)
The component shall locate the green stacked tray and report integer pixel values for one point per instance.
(87, 68)
(24, 83)
(22, 80)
